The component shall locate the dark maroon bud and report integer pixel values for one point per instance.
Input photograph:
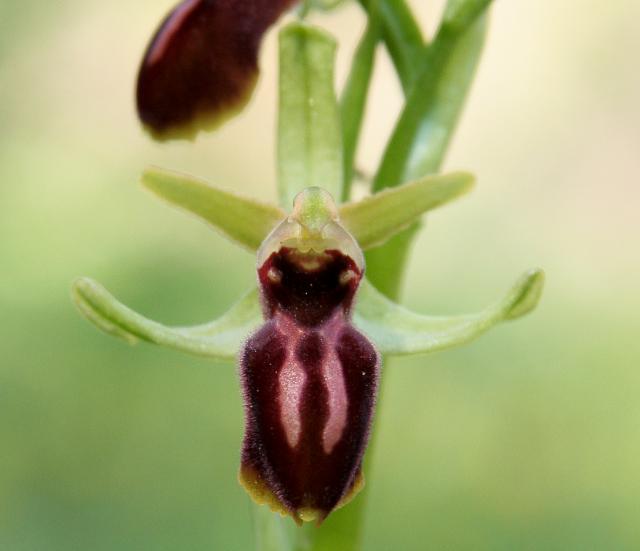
(309, 377)
(202, 64)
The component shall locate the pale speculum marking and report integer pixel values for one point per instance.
(338, 402)
(291, 383)
(292, 378)
(275, 276)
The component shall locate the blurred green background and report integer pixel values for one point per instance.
(527, 439)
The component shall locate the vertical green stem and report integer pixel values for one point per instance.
(354, 97)
(402, 36)
(270, 531)
(423, 131)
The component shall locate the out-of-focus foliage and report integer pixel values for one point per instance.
(525, 440)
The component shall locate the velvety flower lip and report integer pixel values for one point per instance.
(201, 65)
(309, 377)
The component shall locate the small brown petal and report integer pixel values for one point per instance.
(202, 64)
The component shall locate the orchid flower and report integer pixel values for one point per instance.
(310, 337)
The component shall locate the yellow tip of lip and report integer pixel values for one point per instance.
(262, 495)
(251, 481)
(308, 515)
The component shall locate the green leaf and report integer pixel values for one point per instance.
(245, 221)
(354, 97)
(459, 14)
(441, 117)
(221, 338)
(424, 129)
(402, 37)
(309, 132)
(397, 330)
(375, 219)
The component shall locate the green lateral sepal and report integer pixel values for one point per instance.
(220, 339)
(397, 330)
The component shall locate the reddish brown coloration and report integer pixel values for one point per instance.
(310, 381)
(201, 64)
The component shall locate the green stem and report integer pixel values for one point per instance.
(436, 100)
(402, 37)
(354, 97)
(394, 252)
(304, 9)
(271, 533)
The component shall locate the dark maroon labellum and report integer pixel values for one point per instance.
(310, 382)
(202, 63)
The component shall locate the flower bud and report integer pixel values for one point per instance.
(202, 64)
